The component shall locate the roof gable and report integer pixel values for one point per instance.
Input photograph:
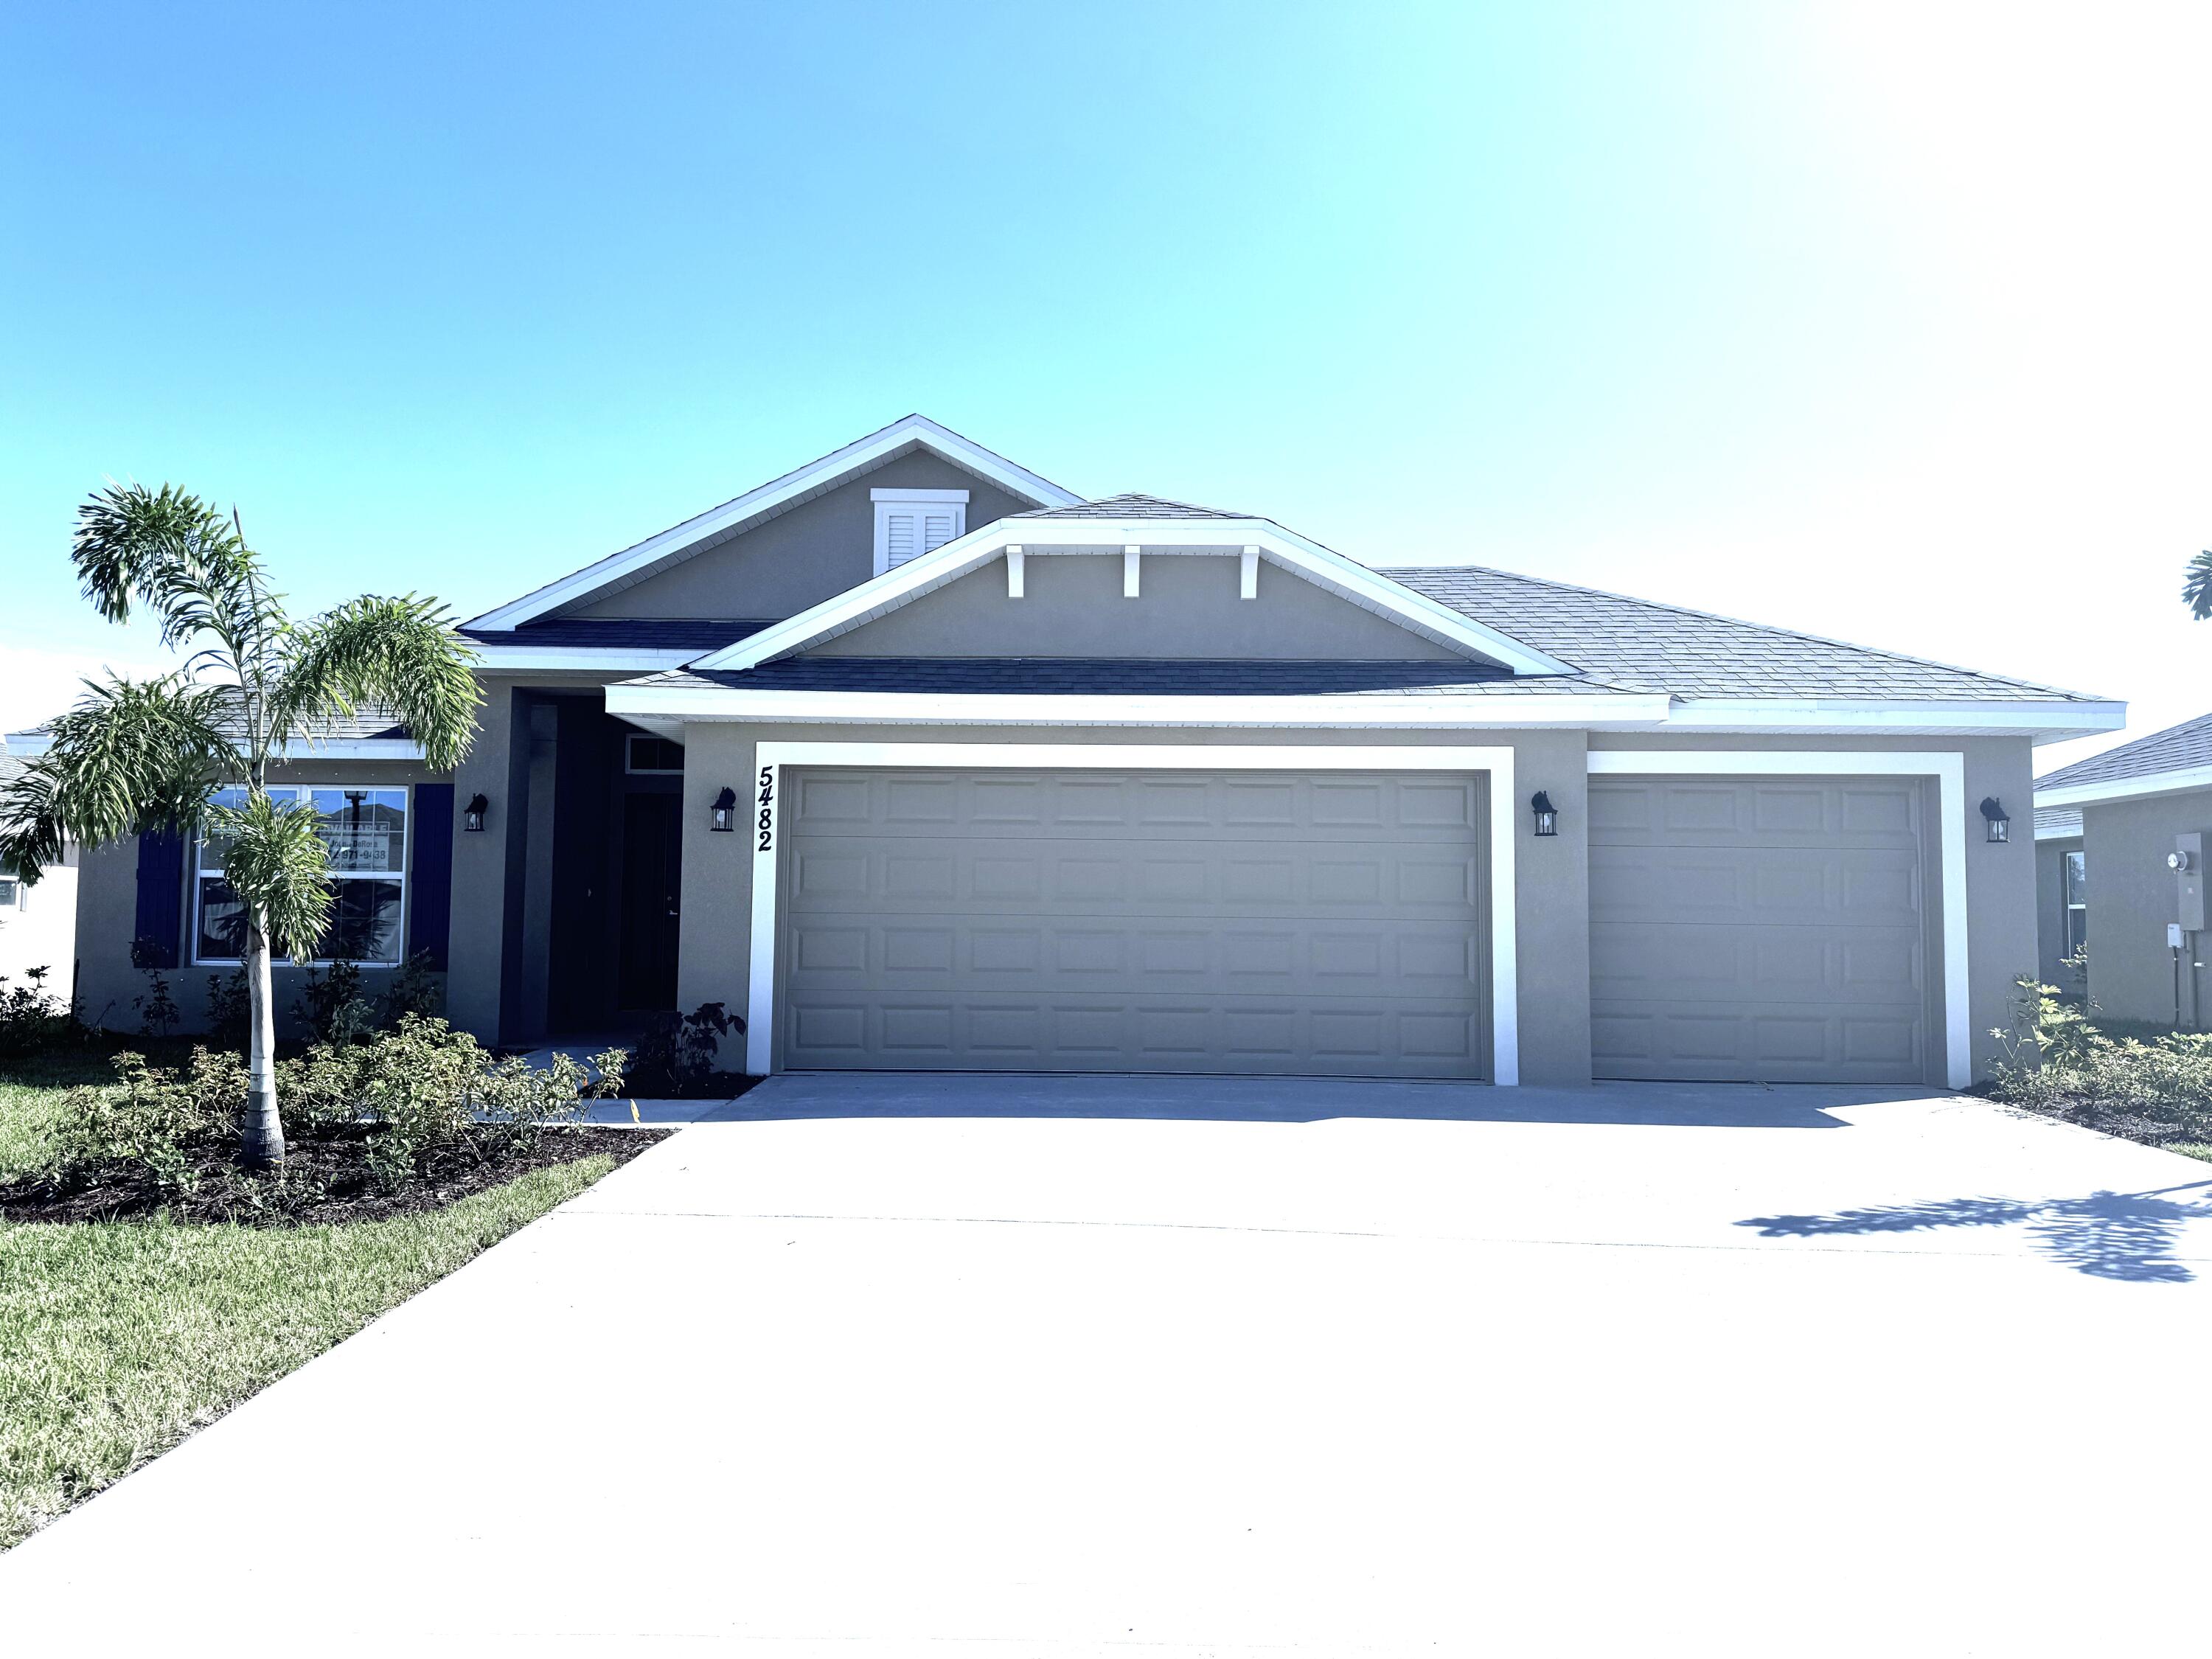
(1103, 527)
(733, 517)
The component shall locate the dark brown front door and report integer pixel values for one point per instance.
(653, 873)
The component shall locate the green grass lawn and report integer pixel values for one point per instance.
(118, 1339)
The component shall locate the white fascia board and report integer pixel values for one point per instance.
(2180, 781)
(1347, 578)
(594, 660)
(962, 452)
(29, 743)
(1499, 712)
(305, 750)
(2045, 721)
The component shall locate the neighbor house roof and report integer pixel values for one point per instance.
(2169, 761)
(2058, 822)
(373, 732)
(1637, 645)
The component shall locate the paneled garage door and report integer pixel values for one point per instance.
(1773, 929)
(1332, 924)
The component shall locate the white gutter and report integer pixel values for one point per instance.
(1342, 711)
(580, 659)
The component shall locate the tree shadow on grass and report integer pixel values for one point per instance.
(2106, 1235)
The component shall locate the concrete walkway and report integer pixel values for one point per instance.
(955, 1366)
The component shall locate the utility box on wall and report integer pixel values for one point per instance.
(2187, 862)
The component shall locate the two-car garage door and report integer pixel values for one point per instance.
(1772, 929)
(1088, 920)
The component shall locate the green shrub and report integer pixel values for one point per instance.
(333, 1006)
(427, 1089)
(2056, 1060)
(227, 1010)
(152, 1118)
(676, 1056)
(410, 1098)
(34, 1021)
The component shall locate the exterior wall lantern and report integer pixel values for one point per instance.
(723, 815)
(472, 815)
(1548, 816)
(2000, 825)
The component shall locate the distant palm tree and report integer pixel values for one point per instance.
(135, 755)
(2197, 586)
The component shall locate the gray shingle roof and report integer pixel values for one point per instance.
(1636, 645)
(1128, 507)
(701, 634)
(2174, 749)
(370, 719)
(1128, 676)
(2057, 823)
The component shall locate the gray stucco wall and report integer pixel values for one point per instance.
(2050, 914)
(2132, 898)
(801, 557)
(108, 913)
(2001, 910)
(1187, 606)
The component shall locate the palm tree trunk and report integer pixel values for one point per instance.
(261, 1131)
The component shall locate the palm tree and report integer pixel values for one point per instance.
(135, 755)
(2197, 586)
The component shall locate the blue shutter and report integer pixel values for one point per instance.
(161, 920)
(430, 884)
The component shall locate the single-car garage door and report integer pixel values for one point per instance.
(1770, 929)
(1331, 924)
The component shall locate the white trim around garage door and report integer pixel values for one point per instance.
(770, 759)
(1947, 768)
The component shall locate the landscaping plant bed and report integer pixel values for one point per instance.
(325, 1178)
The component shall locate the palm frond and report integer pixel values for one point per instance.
(402, 651)
(133, 755)
(280, 865)
(177, 556)
(2197, 586)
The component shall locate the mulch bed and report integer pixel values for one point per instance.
(325, 1178)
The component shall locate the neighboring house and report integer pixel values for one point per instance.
(919, 761)
(2109, 825)
(38, 924)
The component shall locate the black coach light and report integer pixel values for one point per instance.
(472, 815)
(1548, 816)
(2000, 825)
(724, 813)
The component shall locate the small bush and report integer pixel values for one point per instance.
(2057, 1061)
(415, 989)
(228, 1010)
(676, 1055)
(34, 1021)
(332, 1006)
(152, 1119)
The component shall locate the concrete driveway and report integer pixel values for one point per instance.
(885, 1365)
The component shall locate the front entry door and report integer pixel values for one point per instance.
(653, 873)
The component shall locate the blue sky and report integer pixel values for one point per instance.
(1884, 323)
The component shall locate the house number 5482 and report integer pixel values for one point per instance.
(766, 808)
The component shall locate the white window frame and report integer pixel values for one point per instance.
(1947, 767)
(2071, 933)
(197, 872)
(770, 760)
(890, 502)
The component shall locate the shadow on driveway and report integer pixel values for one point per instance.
(801, 1095)
(2123, 1236)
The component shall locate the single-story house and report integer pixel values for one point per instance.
(919, 760)
(2139, 816)
(38, 923)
